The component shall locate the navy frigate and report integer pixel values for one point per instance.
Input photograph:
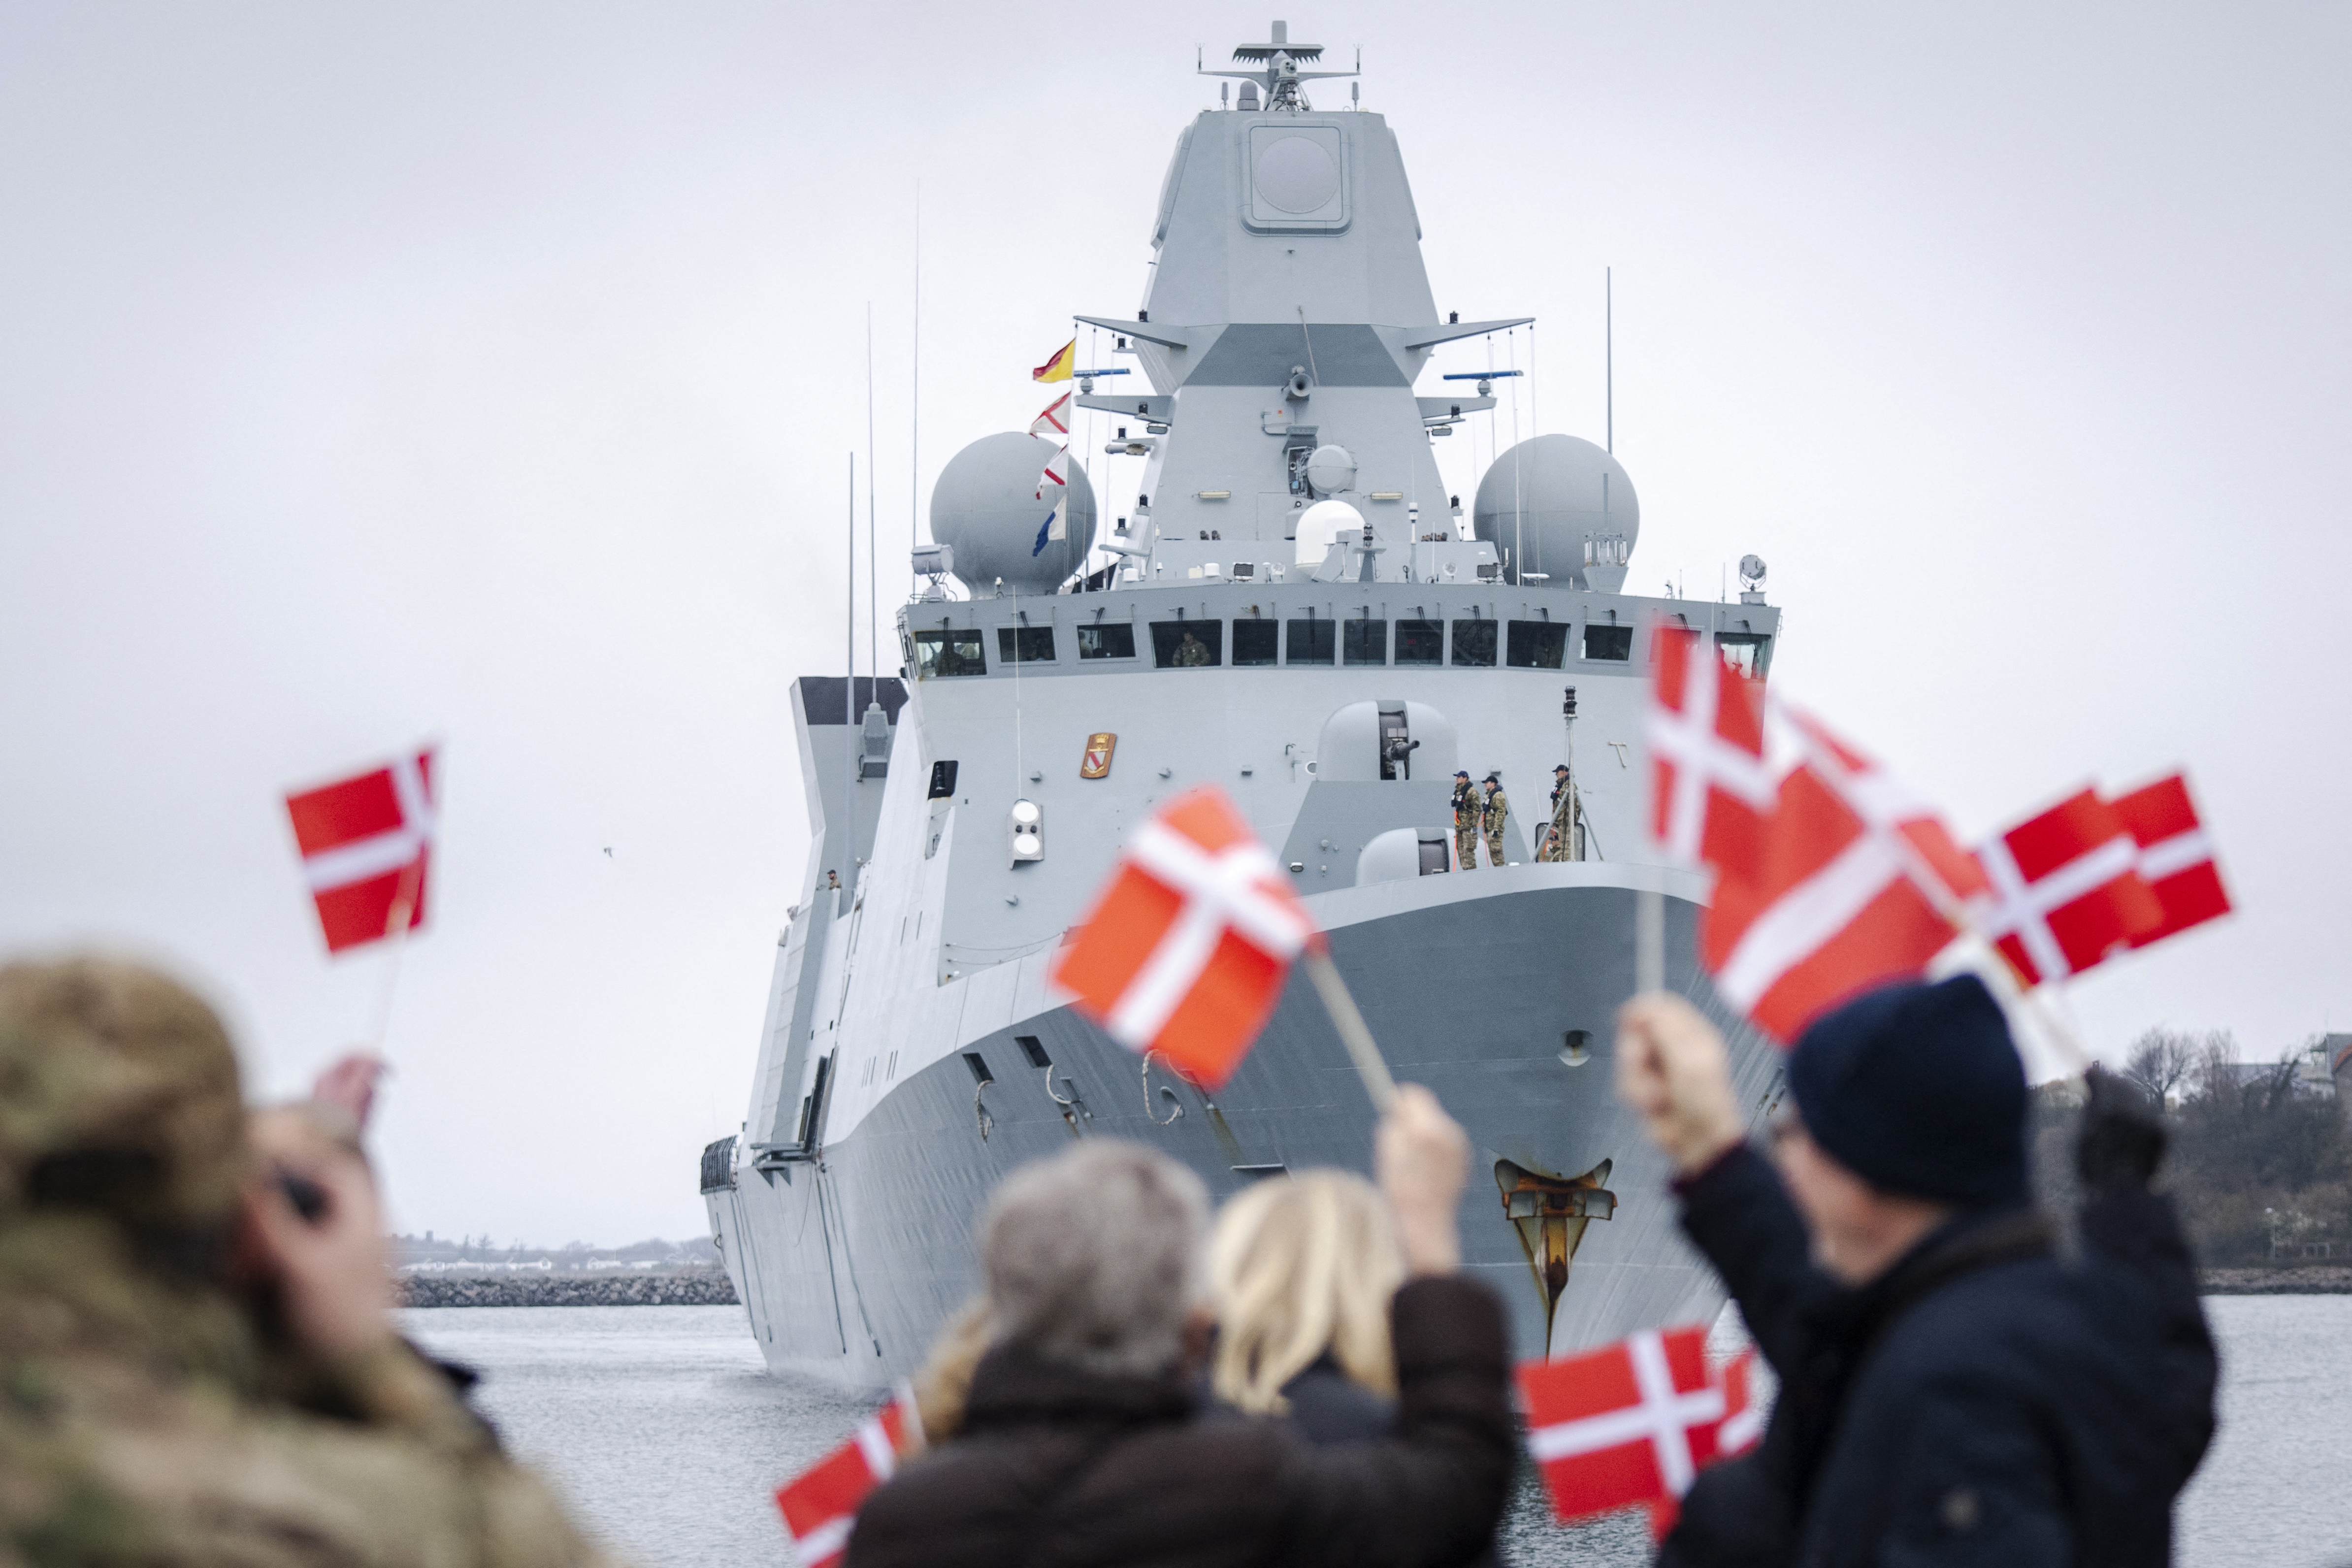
(1297, 613)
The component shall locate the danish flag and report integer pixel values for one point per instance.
(1186, 950)
(1710, 790)
(2175, 859)
(1057, 472)
(820, 1505)
(2065, 889)
(1633, 1422)
(1055, 421)
(1857, 883)
(366, 843)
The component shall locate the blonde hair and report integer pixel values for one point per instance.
(1300, 1266)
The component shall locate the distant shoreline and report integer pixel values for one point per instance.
(711, 1288)
(2319, 1279)
(689, 1288)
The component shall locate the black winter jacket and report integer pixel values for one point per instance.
(1982, 1403)
(1054, 1466)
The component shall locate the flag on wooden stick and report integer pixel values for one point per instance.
(2063, 890)
(1187, 950)
(2176, 858)
(366, 843)
(1857, 882)
(1632, 1424)
(820, 1505)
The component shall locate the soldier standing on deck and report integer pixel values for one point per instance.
(1558, 843)
(1496, 810)
(1466, 814)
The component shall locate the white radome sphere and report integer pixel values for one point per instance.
(1546, 515)
(986, 508)
(1318, 525)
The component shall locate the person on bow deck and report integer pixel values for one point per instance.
(1495, 811)
(1563, 817)
(1950, 1390)
(1467, 815)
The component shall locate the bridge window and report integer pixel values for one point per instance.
(1473, 643)
(948, 652)
(1187, 644)
(1420, 642)
(1114, 639)
(1365, 642)
(1025, 645)
(1747, 652)
(1538, 645)
(1312, 642)
(1608, 642)
(1254, 641)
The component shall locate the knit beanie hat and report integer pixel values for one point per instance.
(1918, 1090)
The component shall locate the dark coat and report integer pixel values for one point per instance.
(1328, 1407)
(1057, 1466)
(1980, 1403)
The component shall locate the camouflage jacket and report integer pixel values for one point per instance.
(143, 1421)
(1467, 810)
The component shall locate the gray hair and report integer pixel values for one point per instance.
(1093, 1258)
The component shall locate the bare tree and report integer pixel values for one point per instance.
(2161, 1061)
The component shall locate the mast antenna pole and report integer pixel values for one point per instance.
(915, 392)
(849, 685)
(873, 644)
(1609, 354)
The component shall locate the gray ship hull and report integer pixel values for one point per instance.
(849, 1261)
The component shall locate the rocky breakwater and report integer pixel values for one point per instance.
(686, 1287)
(2322, 1279)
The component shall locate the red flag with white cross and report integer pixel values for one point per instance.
(1858, 882)
(1186, 952)
(1710, 790)
(820, 1504)
(367, 845)
(2176, 858)
(2063, 890)
(1632, 1424)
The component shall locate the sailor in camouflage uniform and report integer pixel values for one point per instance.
(191, 1370)
(1466, 816)
(1497, 810)
(1560, 837)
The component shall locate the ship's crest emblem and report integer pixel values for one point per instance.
(1099, 746)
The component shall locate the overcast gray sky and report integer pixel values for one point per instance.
(487, 372)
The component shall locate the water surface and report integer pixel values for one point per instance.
(663, 1429)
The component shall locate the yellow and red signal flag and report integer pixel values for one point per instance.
(1055, 421)
(1855, 882)
(1186, 952)
(1632, 1423)
(1061, 366)
(366, 843)
(2176, 858)
(2063, 890)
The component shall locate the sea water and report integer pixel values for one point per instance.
(665, 1431)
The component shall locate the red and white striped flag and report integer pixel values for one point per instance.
(2065, 890)
(1186, 950)
(1710, 790)
(367, 844)
(820, 1505)
(1056, 477)
(1857, 883)
(1632, 1423)
(1055, 421)
(2176, 858)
